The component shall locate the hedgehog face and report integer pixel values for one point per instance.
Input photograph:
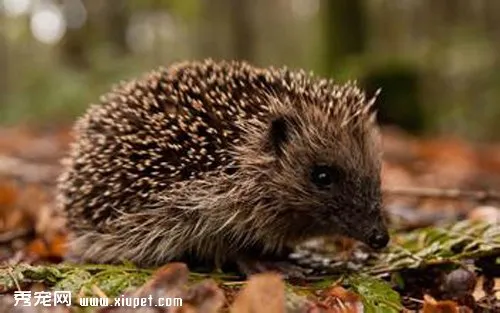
(328, 178)
(351, 202)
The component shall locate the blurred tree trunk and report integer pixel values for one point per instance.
(213, 33)
(4, 71)
(226, 29)
(345, 32)
(74, 47)
(77, 42)
(491, 14)
(115, 17)
(106, 23)
(243, 30)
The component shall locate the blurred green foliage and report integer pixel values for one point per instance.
(437, 62)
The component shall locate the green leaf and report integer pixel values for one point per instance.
(376, 294)
(438, 245)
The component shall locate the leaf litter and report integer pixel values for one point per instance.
(443, 255)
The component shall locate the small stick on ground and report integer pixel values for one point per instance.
(451, 194)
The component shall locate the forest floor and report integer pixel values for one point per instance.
(441, 198)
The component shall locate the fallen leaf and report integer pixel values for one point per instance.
(433, 306)
(340, 300)
(205, 297)
(263, 293)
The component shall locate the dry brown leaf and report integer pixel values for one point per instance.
(479, 292)
(10, 217)
(448, 161)
(485, 214)
(42, 249)
(263, 293)
(205, 297)
(431, 305)
(340, 300)
(167, 281)
(8, 194)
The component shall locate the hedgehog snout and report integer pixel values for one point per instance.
(378, 238)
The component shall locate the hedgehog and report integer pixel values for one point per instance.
(222, 162)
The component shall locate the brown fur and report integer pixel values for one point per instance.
(213, 160)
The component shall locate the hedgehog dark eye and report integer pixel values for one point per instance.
(323, 175)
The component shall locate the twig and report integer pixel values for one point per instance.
(452, 194)
(11, 274)
(415, 300)
(98, 292)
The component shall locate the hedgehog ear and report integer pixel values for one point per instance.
(278, 134)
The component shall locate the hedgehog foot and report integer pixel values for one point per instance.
(289, 270)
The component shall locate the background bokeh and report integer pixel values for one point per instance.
(438, 62)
